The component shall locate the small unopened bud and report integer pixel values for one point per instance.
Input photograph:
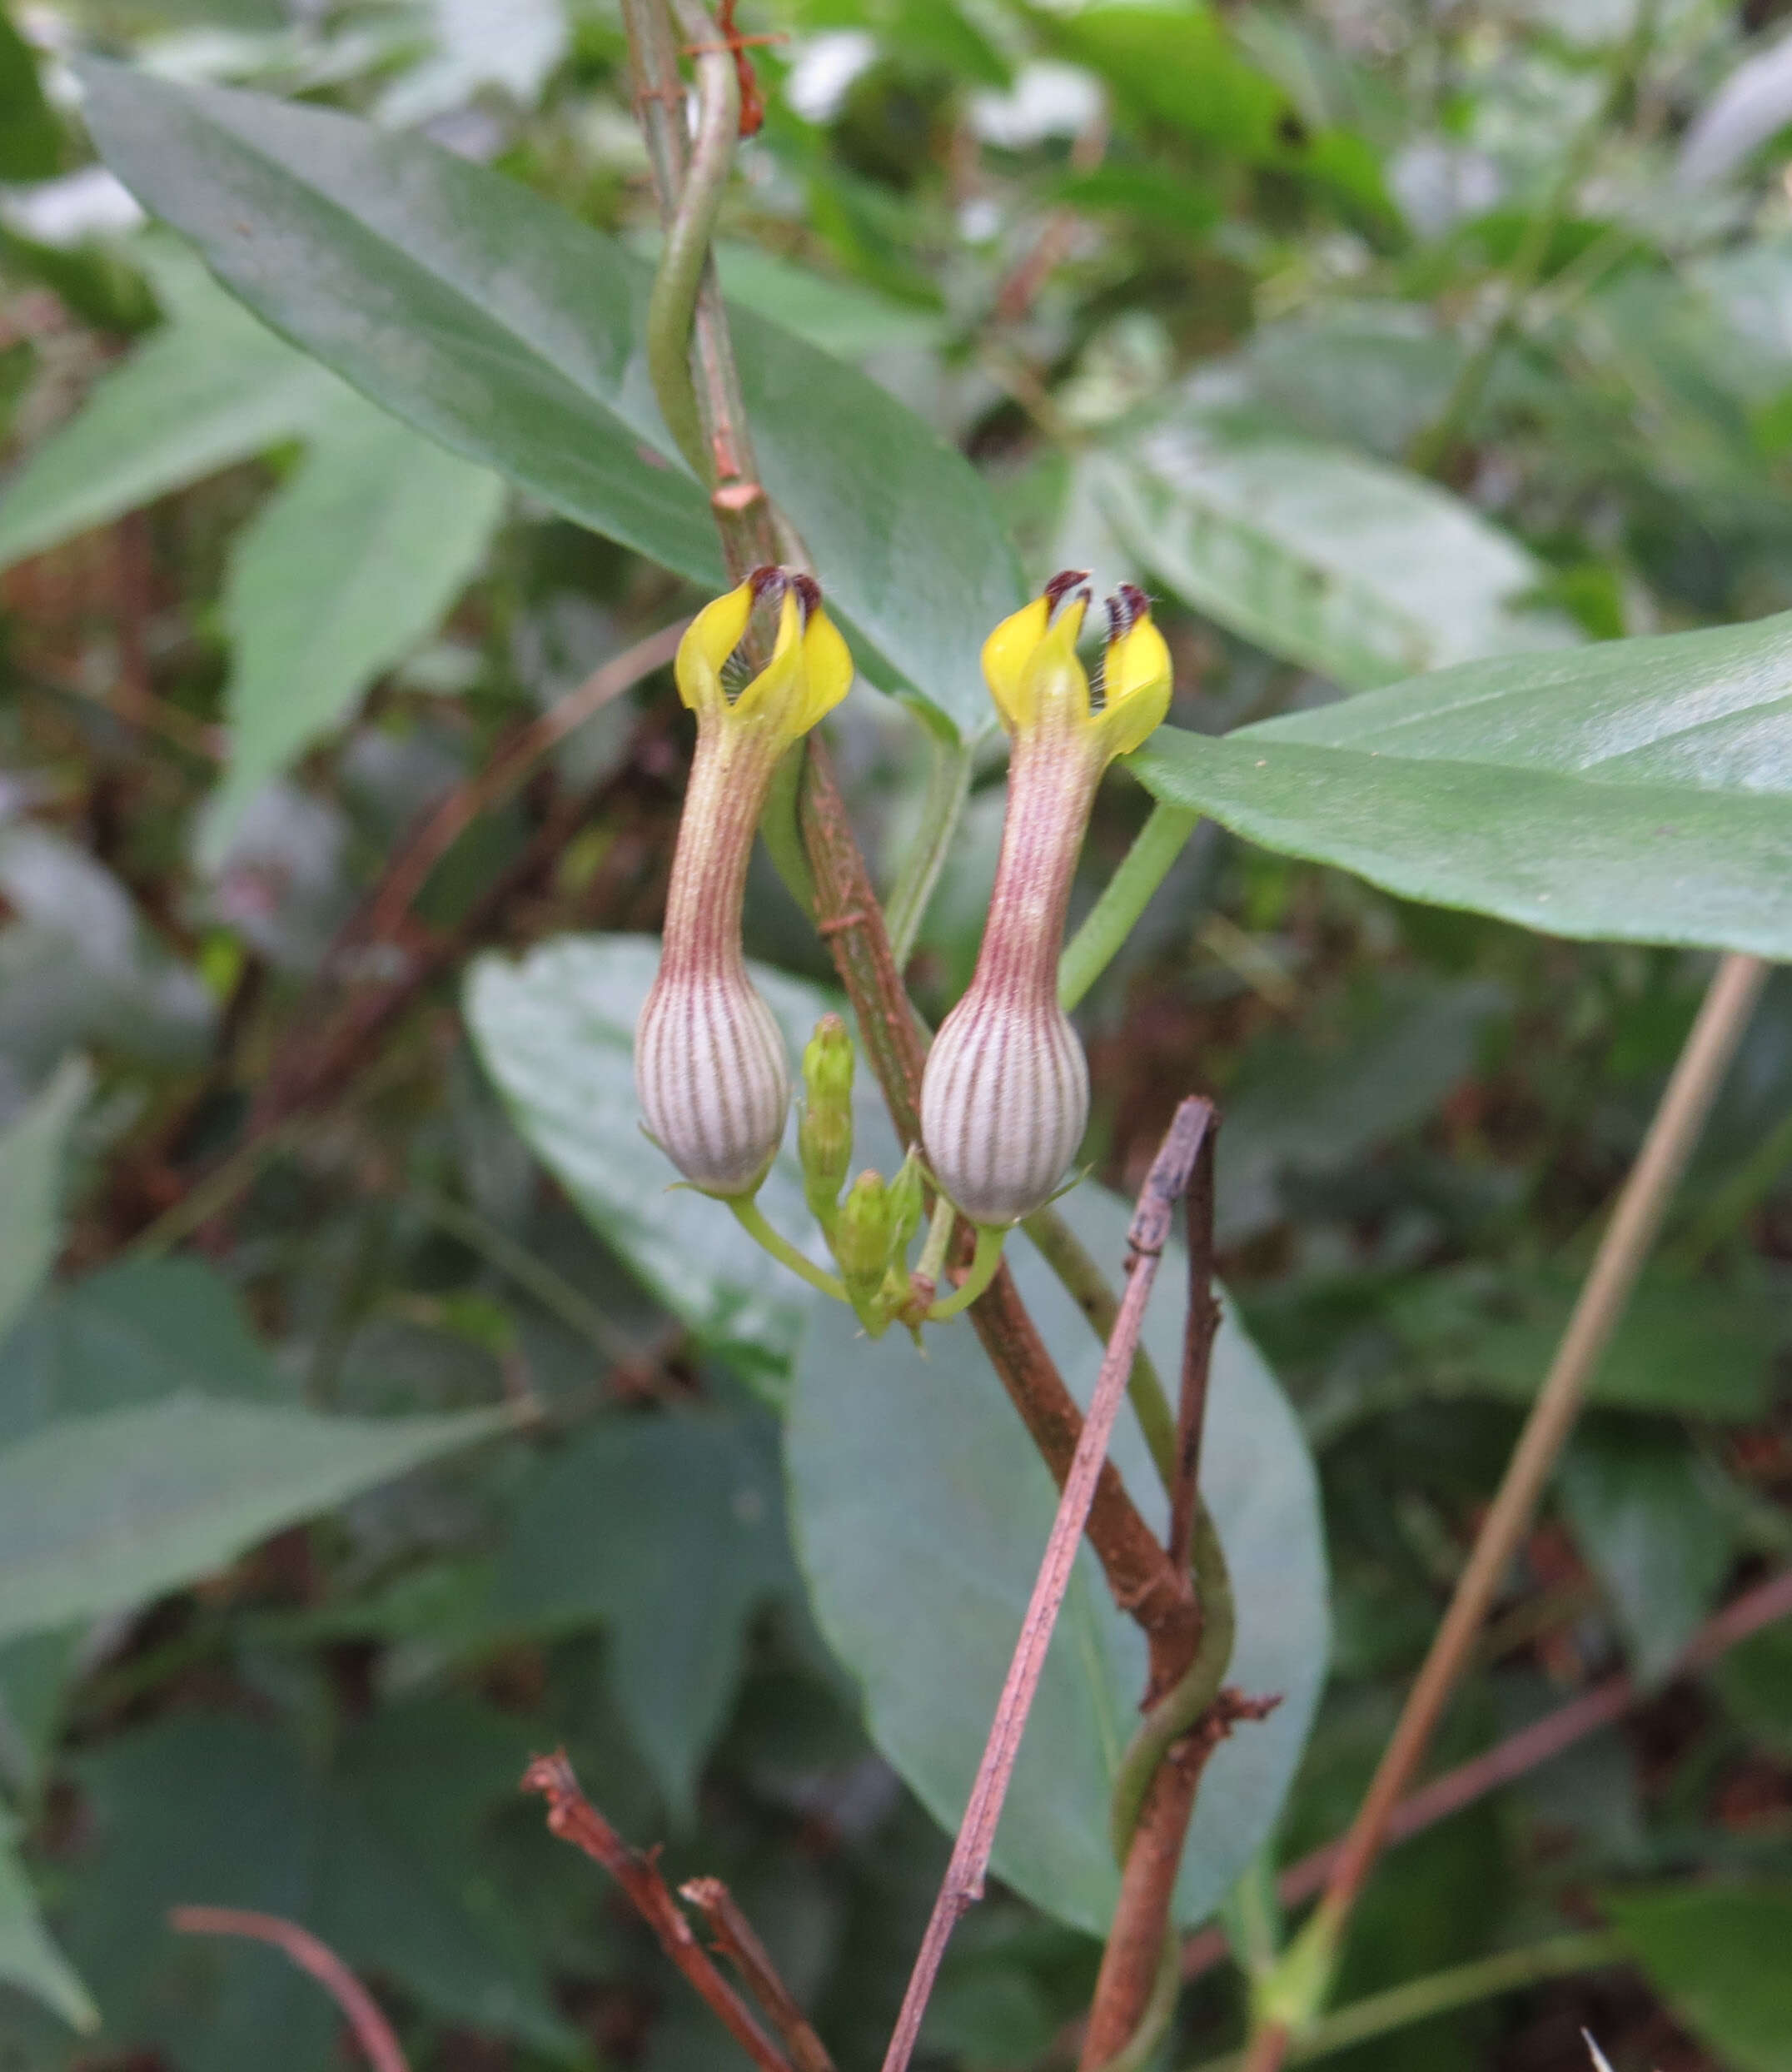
(862, 1237)
(1005, 1096)
(907, 1205)
(825, 1133)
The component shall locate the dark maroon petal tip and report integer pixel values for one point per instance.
(1060, 587)
(808, 595)
(1125, 609)
(768, 581)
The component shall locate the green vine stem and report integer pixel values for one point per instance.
(1443, 1992)
(1083, 1280)
(1113, 917)
(985, 1261)
(751, 1217)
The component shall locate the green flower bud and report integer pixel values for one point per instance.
(907, 1205)
(824, 1135)
(862, 1237)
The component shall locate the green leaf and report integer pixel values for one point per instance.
(220, 1811)
(210, 387)
(495, 322)
(129, 1334)
(557, 1032)
(28, 1958)
(668, 1532)
(30, 138)
(1347, 566)
(1644, 1515)
(1638, 791)
(340, 575)
(103, 1512)
(920, 1510)
(33, 1148)
(1717, 1955)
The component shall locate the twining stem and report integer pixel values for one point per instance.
(963, 1882)
(360, 2009)
(1114, 916)
(1085, 1282)
(1432, 447)
(751, 1217)
(1442, 1992)
(1636, 1220)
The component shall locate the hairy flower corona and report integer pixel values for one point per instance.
(1005, 1096)
(710, 1064)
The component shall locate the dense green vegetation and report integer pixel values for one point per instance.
(373, 1415)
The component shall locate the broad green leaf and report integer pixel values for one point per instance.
(1645, 1518)
(33, 1148)
(920, 1510)
(1351, 567)
(843, 317)
(494, 322)
(30, 138)
(1639, 791)
(222, 1811)
(557, 1032)
(100, 1512)
(1717, 1955)
(668, 1532)
(28, 1958)
(128, 1334)
(210, 387)
(350, 564)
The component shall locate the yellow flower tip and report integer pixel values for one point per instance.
(1030, 660)
(810, 669)
(1136, 673)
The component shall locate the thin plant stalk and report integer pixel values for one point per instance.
(963, 1882)
(1636, 1221)
(1115, 915)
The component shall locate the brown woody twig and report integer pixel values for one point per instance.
(573, 1817)
(737, 1940)
(409, 871)
(360, 2009)
(963, 1882)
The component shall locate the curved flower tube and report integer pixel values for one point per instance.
(1005, 1095)
(711, 1069)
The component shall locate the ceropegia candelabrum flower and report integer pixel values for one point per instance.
(709, 1063)
(1005, 1096)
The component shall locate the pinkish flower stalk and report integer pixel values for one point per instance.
(710, 1069)
(1005, 1096)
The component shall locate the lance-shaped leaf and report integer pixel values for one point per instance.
(28, 1958)
(1638, 791)
(499, 323)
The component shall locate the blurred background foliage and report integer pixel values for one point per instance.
(1373, 335)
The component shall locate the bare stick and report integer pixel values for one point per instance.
(1132, 1961)
(500, 779)
(737, 1940)
(1636, 1221)
(360, 2009)
(573, 1817)
(963, 1883)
